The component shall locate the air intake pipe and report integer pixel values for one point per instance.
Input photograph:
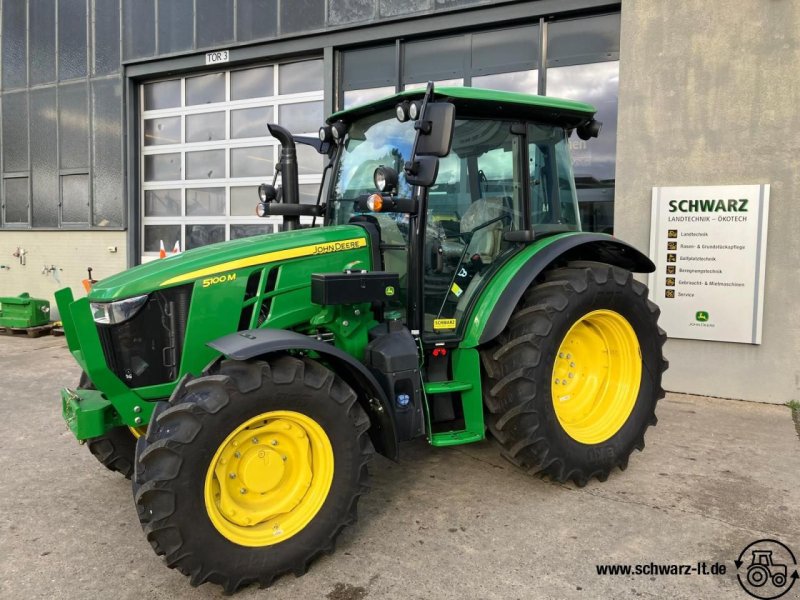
(289, 181)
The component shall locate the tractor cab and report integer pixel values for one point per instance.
(505, 181)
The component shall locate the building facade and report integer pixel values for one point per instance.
(131, 123)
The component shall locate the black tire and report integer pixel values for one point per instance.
(518, 370)
(173, 459)
(116, 449)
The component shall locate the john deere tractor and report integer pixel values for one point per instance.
(449, 293)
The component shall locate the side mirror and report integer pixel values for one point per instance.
(436, 129)
(422, 171)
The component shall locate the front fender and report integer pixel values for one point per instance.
(254, 343)
(500, 297)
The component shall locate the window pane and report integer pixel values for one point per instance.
(369, 68)
(162, 131)
(108, 204)
(15, 132)
(597, 84)
(73, 125)
(205, 89)
(301, 118)
(42, 23)
(526, 82)
(162, 203)
(155, 234)
(162, 94)
(209, 164)
(243, 202)
(205, 127)
(75, 198)
(512, 49)
(44, 158)
(16, 200)
(356, 97)
(256, 19)
(213, 22)
(106, 38)
(250, 122)
(162, 167)
(309, 161)
(205, 202)
(305, 76)
(202, 235)
(252, 83)
(241, 231)
(579, 41)
(251, 162)
(175, 31)
(441, 58)
(14, 44)
(72, 44)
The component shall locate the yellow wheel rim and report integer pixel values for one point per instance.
(596, 376)
(269, 478)
(138, 432)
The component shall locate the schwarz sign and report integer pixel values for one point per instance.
(709, 245)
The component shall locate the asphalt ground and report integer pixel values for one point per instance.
(442, 523)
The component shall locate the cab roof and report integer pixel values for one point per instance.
(480, 102)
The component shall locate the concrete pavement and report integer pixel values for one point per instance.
(442, 523)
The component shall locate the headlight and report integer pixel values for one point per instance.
(385, 179)
(112, 313)
(413, 110)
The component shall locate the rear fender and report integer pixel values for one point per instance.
(500, 297)
(255, 343)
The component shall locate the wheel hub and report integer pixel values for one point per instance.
(269, 478)
(596, 376)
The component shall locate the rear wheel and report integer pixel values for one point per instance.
(573, 381)
(252, 471)
(115, 449)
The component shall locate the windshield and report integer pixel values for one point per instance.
(373, 141)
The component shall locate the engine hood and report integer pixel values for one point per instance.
(226, 257)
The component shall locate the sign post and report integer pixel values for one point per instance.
(709, 245)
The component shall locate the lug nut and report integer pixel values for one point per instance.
(283, 457)
(274, 442)
(564, 382)
(571, 375)
(255, 440)
(237, 454)
(558, 381)
(572, 364)
(232, 475)
(243, 490)
(560, 355)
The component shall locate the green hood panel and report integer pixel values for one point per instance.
(217, 259)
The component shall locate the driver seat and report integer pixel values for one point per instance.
(485, 242)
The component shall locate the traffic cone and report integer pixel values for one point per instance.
(162, 253)
(176, 249)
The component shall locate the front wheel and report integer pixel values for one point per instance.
(573, 381)
(252, 471)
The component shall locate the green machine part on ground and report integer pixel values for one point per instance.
(244, 386)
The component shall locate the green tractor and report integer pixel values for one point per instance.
(450, 292)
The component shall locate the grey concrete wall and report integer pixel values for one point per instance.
(709, 95)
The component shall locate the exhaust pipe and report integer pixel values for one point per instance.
(289, 179)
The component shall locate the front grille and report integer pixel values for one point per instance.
(146, 349)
